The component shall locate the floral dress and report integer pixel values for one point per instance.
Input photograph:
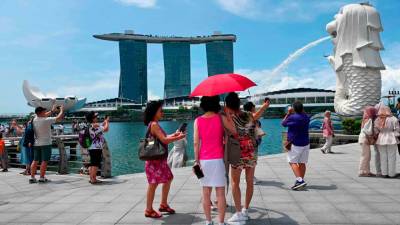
(158, 171)
(245, 128)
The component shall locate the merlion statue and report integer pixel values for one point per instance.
(356, 59)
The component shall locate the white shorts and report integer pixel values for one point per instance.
(298, 154)
(214, 173)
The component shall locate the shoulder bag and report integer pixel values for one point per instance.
(150, 147)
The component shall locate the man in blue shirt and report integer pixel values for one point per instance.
(297, 123)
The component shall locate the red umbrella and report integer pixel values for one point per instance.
(222, 83)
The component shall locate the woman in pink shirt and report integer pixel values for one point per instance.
(327, 132)
(209, 155)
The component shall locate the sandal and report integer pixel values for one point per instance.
(95, 182)
(366, 175)
(167, 209)
(152, 214)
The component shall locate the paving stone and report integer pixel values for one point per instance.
(335, 195)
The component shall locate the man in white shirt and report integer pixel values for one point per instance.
(42, 146)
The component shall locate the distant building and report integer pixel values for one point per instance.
(219, 57)
(133, 76)
(110, 105)
(310, 97)
(177, 69)
(133, 60)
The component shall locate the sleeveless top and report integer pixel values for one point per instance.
(211, 134)
(165, 146)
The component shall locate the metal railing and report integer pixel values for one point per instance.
(67, 155)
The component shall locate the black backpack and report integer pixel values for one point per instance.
(29, 135)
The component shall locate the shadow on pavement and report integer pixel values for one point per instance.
(272, 183)
(322, 187)
(266, 216)
(179, 218)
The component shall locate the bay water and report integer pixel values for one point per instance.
(123, 139)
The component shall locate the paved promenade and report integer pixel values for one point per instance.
(335, 195)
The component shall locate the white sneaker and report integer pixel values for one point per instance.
(237, 217)
(245, 213)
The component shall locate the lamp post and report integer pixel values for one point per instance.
(392, 96)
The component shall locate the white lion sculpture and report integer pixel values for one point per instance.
(356, 59)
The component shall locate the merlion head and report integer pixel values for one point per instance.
(355, 31)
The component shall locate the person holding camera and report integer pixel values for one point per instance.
(297, 122)
(42, 123)
(157, 170)
(250, 107)
(96, 131)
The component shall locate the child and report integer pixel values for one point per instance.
(3, 154)
(327, 131)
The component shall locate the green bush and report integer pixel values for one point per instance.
(351, 126)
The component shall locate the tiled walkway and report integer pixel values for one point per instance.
(335, 195)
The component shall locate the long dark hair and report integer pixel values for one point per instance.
(151, 111)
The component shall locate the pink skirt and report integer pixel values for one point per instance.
(158, 171)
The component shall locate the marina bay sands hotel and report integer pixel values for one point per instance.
(176, 52)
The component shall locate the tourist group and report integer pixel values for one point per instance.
(226, 141)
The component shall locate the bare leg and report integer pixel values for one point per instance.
(151, 191)
(296, 169)
(93, 173)
(250, 186)
(206, 202)
(165, 192)
(236, 193)
(34, 168)
(221, 203)
(43, 168)
(302, 169)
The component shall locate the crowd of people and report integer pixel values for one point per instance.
(226, 144)
(225, 140)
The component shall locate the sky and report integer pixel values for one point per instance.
(50, 43)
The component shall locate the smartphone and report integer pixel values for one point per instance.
(198, 172)
(183, 127)
(266, 99)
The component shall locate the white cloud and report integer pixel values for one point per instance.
(282, 10)
(139, 3)
(318, 77)
(152, 96)
(390, 79)
(100, 85)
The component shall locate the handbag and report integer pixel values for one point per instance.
(150, 148)
(371, 139)
(234, 151)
